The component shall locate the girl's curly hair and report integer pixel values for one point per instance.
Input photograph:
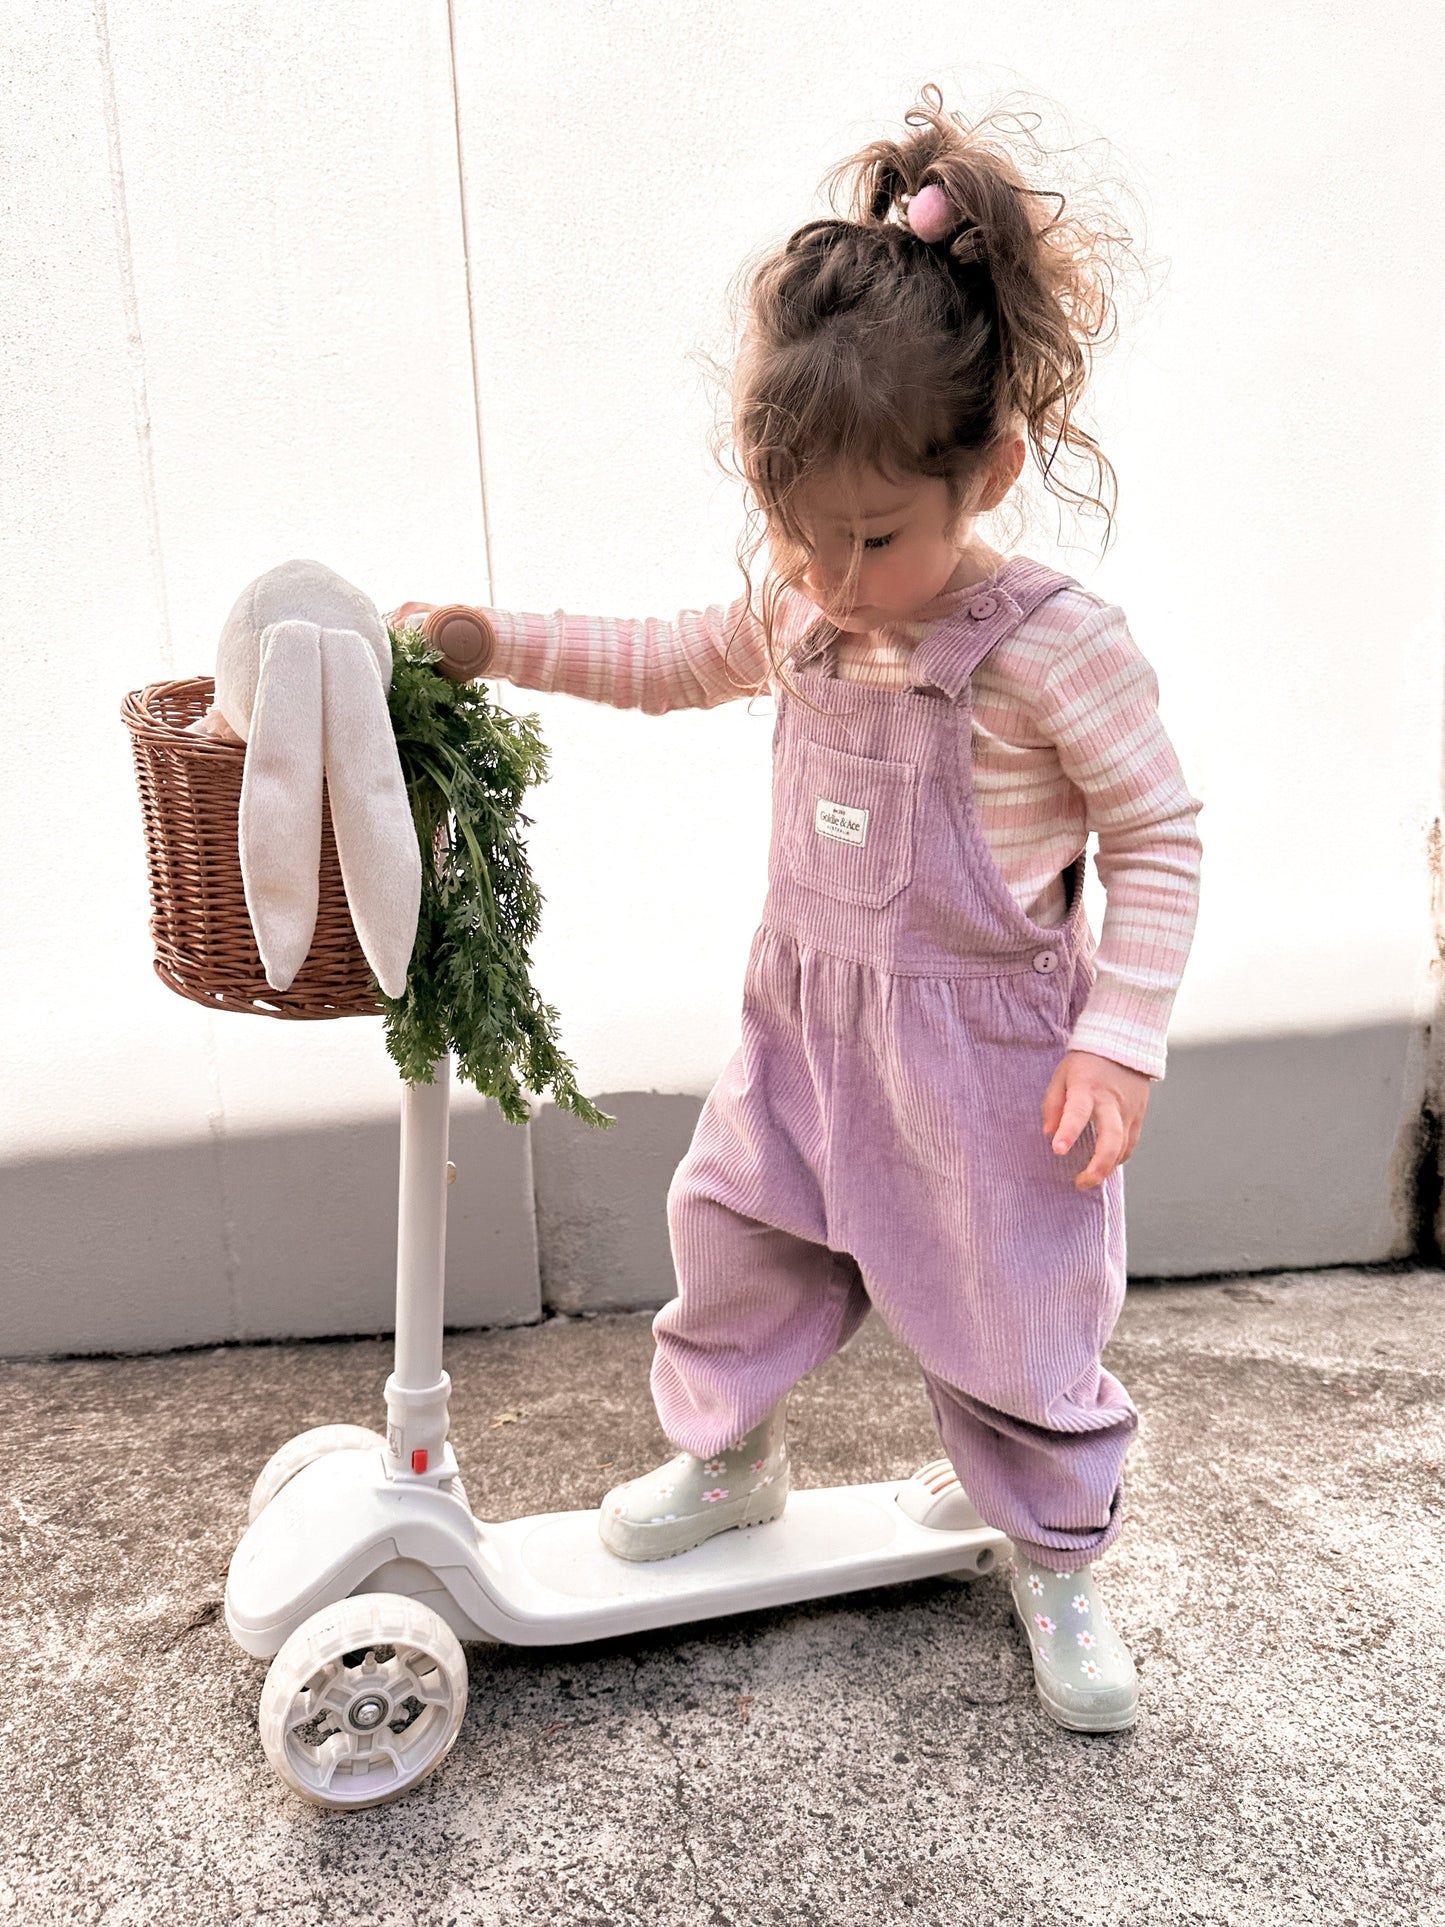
(862, 345)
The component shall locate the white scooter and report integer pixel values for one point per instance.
(363, 1566)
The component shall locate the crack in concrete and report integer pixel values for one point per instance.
(665, 1738)
(1428, 1175)
(218, 1128)
(466, 238)
(134, 340)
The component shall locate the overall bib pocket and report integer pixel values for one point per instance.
(850, 824)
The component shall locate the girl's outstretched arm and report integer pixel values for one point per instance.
(698, 659)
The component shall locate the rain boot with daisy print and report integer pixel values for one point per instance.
(1082, 1667)
(690, 1499)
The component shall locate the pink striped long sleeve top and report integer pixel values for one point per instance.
(1067, 740)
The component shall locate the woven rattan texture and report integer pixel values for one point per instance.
(205, 948)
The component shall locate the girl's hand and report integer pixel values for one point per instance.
(409, 612)
(1086, 1086)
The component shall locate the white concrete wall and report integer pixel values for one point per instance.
(416, 294)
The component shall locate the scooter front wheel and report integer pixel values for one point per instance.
(363, 1700)
(288, 1459)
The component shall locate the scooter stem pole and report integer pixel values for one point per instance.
(416, 1392)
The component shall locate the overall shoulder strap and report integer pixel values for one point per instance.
(951, 654)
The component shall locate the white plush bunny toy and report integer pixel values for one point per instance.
(302, 672)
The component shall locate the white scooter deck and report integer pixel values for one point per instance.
(344, 1524)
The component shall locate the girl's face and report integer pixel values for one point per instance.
(913, 544)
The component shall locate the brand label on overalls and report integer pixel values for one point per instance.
(840, 820)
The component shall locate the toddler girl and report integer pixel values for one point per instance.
(940, 1073)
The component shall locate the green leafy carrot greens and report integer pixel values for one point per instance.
(467, 764)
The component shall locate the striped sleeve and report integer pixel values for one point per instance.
(1099, 704)
(701, 658)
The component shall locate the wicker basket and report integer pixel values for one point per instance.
(190, 788)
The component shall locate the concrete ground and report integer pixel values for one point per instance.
(877, 1758)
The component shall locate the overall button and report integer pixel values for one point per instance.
(1046, 960)
(982, 607)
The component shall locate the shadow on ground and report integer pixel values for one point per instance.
(877, 1758)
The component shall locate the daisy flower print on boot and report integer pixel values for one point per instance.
(690, 1499)
(1082, 1669)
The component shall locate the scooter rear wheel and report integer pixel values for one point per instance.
(288, 1459)
(363, 1700)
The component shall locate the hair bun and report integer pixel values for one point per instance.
(931, 214)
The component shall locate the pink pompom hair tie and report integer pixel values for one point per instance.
(931, 214)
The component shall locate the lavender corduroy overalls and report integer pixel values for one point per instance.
(877, 1138)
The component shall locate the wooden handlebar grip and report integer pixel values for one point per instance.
(465, 638)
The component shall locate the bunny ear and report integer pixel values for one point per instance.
(376, 837)
(280, 824)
